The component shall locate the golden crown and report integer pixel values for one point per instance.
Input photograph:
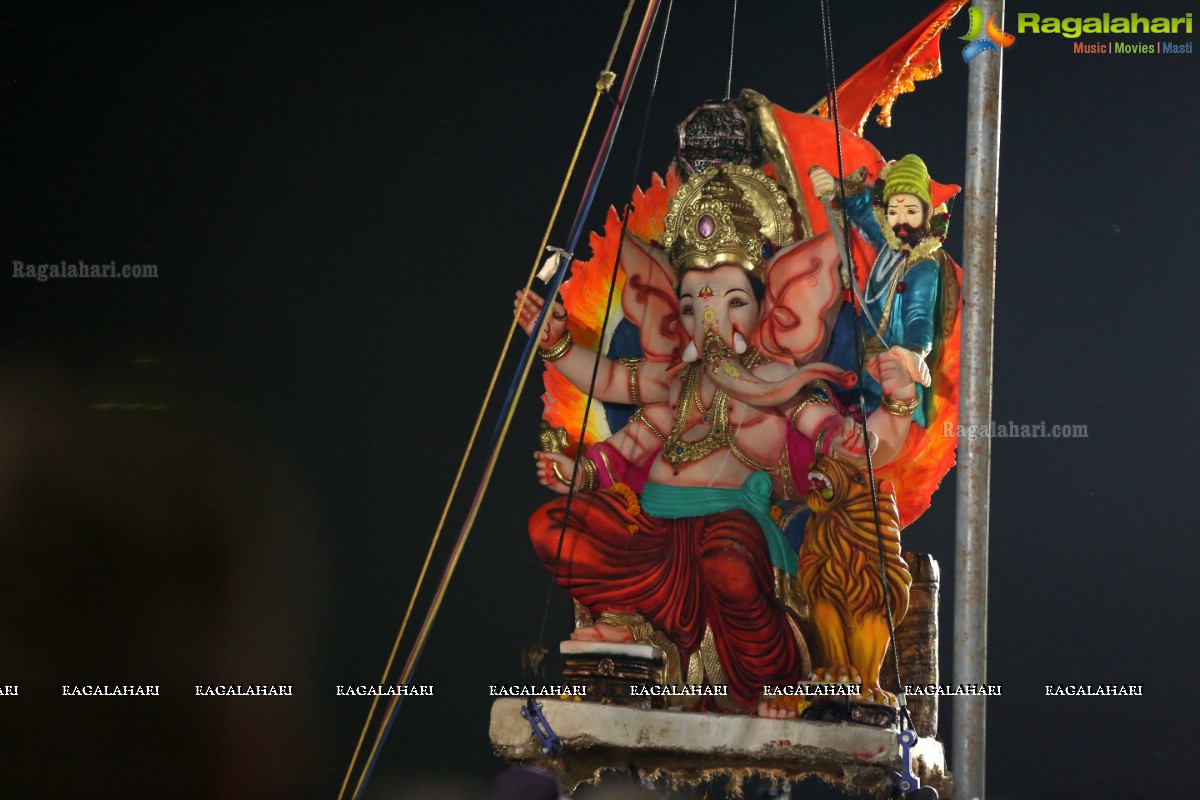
(726, 215)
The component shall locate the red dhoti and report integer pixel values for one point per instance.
(680, 575)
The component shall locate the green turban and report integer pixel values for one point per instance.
(909, 175)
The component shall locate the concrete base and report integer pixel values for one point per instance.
(693, 747)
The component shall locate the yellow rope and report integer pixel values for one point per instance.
(601, 88)
(409, 665)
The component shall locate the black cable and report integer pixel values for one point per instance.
(604, 323)
(831, 89)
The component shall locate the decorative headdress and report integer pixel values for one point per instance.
(909, 175)
(726, 214)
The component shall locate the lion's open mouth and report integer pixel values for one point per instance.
(822, 484)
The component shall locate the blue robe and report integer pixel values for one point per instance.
(908, 320)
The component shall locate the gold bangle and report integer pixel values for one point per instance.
(819, 443)
(899, 408)
(558, 350)
(632, 365)
(565, 481)
(588, 468)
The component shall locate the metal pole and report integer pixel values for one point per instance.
(975, 408)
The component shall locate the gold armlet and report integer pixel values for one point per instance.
(632, 364)
(813, 395)
(900, 409)
(558, 350)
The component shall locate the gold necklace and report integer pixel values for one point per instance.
(699, 403)
(676, 451)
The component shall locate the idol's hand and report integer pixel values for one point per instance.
(825, 186)
(554, 470)
(849, 439)
(527, 310)
(823, 183)
(897, 370)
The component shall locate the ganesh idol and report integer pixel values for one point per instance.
(672, 533)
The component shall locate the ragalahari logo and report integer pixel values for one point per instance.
(984, 37)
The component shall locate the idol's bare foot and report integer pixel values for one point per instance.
(777, 707)
(601, 632)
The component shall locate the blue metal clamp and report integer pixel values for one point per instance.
(908, 784)
(532, 712)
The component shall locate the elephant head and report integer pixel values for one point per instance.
(715, 314)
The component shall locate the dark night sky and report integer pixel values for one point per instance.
(341, 199)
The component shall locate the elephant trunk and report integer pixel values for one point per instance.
(737, 382)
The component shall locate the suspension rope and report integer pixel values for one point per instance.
(831, 90)
(732, 36)
(463, 462)
(466, 454)
(612, 286)
(620, 33)
(602, 87)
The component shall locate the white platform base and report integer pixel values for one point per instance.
(693, 747)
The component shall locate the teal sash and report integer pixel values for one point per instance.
(753, 496)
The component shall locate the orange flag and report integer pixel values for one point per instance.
(915, 57)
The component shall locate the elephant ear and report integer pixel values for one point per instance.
(804, 293)
(649, 300)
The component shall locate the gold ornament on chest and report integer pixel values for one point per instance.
(677, 452)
